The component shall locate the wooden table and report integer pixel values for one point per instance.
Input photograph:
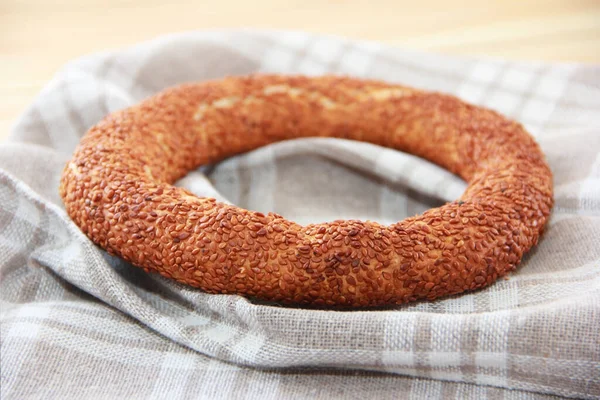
(38, 36)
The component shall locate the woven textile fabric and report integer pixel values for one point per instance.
(76, 322)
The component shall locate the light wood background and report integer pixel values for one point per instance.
(38, 36)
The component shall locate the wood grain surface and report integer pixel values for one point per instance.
(38, 36)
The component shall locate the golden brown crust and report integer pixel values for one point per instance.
(117, 188)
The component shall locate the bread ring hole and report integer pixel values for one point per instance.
(312, 188)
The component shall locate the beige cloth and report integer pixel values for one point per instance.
(79, 323)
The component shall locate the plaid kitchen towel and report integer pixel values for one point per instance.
(76, 322)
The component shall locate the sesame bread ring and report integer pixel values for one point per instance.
(117, 189)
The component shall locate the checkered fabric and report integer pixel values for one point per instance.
(78, 323)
